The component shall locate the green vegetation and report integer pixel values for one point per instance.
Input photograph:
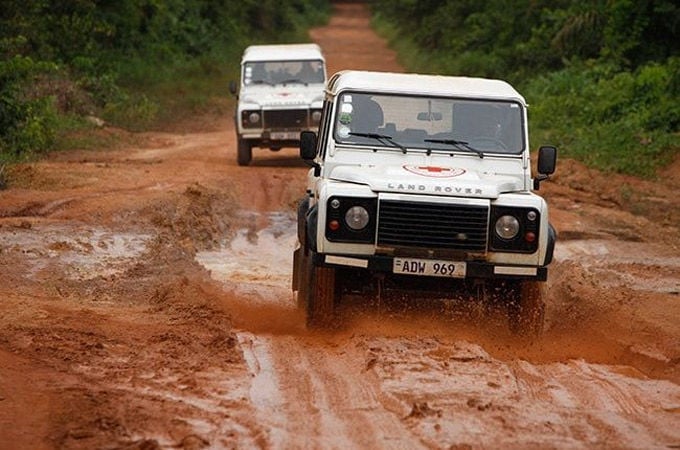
(136, 64)
(602, 77)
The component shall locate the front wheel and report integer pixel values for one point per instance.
(526, 308)
(301, 274)
(319, 290)
(245, 152)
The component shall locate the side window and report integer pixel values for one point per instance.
(324, 127)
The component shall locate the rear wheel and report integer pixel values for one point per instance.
(526, 308)
(245, 152)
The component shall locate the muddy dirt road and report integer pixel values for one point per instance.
(145, 303)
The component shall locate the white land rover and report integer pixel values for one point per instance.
(280, 95)
(423, 184)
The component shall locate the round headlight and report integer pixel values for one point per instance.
(316, 116)
(356, 218)
(254, 117)
(507, 227)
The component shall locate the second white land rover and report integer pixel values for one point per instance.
(280, 95)
(423, 184)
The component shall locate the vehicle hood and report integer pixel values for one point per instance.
(283, 96)
(429, 180)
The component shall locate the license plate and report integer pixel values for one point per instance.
(284, 135)
(429, 267)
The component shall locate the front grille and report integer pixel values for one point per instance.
(284, 119)
(432, 225)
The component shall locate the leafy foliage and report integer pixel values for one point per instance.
(119, 58)
(27, 120)
(624, 122)
(602, 76)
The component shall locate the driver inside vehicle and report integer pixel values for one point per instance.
(358, 114)
(480, 125)
(368, 115)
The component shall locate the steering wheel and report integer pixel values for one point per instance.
(488, 140)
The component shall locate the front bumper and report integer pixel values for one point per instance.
(474, 269)
(275, 125)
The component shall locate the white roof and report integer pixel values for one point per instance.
(436, 85)
(282, 52)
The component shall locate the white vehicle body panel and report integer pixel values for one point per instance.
(281, 97)
(386, 170)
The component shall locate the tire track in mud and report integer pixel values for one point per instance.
(385, 380)
(310, 390)
(314, 397)
(612, 406)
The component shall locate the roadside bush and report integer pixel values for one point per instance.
(602, 77)
(28, 119)
(134, 113)
(623, 122)
(133, 62)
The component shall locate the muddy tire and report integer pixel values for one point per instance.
(301, 264)
(301, 272)
(319, 293)
(526, 308)
(245, 152)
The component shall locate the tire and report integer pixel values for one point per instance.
(481, 302)
(301, 272)
(526, 308)
(245, 152)
(320, 294)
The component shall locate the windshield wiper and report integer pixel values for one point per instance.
(383, 138)
(262, 82)
(293, 80)
(460, 145)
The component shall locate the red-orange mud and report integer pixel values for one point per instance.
(145, 303)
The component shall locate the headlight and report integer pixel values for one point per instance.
(356, 218)
(251, 119)
(351, 219)
(507, 227)
(514, 229)
(316, 116)
(254, 117)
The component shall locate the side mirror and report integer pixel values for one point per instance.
(308, 150)
(547, 161)
(307, 145)
(232, 87)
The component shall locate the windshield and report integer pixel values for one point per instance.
(434, 124)
(283, 72)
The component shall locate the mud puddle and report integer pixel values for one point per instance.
(82, 252)
(257, 262)
(421, 379)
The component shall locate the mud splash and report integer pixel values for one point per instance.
(453, 382)
(255, 268)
